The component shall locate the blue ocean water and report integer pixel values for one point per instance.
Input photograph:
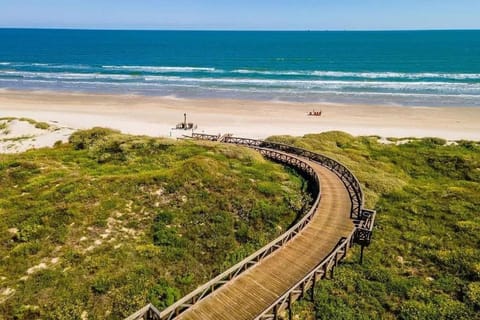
(401, 67)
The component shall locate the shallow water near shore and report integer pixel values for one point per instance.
(430, 68)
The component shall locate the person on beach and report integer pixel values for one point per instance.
(315, 113)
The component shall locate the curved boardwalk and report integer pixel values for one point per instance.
(271, 279)
(246, 296)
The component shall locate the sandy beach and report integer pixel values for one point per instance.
(156, 116)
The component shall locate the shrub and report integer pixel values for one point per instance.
(163, 295)
(111, 214)
(86, 138)
(42, 125)
(473, 294)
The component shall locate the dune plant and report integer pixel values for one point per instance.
(424, 261)
(100, 226)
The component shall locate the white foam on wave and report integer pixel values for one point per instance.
(375, 75)
(424, 87)
(67, 75)
(263, 92)
(165, 78)
(160, 69)
(339, 84)
(46, 65)
(265, 72)
(397, 94)
(365, 75)
(299, 73)
(289, 92)
(69, 66)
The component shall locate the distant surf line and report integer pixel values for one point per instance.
(194, 69)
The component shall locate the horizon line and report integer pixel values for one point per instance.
(235, 30)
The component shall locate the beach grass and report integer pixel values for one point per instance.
(102, 225)
(424, 260)
(4, 123)
(36, 124)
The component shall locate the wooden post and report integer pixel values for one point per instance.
(290, 315)
(275, 312)
(361, 254)
(325, 270)
(312, 289)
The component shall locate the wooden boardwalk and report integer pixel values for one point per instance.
(246, 296)
(271, 279)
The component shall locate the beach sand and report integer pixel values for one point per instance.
(156, 116)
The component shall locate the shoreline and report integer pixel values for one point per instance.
(156, 116)
(100, 94)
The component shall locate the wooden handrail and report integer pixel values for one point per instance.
(320, 271)
(201, 292)
(347, 177)
(281, 153)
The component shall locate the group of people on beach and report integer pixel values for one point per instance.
(315, 113)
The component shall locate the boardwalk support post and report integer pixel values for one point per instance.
(290, 313)
(312, 290)
(361, 253)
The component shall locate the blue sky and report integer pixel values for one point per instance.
(242, 14)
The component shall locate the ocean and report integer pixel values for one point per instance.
(427, 68)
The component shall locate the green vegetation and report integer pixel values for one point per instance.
(18, 139)
(36, 124)
(424, 261)
(98, 227)
(4, 126)
(7, 119)
(39, 125)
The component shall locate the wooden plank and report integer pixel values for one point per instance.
(255, 290)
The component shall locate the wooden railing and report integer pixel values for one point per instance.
(186, 302)
(323, 270)
(348, 178)
(361, 233)
(148, 312)
(307, 284)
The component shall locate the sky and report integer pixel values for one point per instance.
(242, 14)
